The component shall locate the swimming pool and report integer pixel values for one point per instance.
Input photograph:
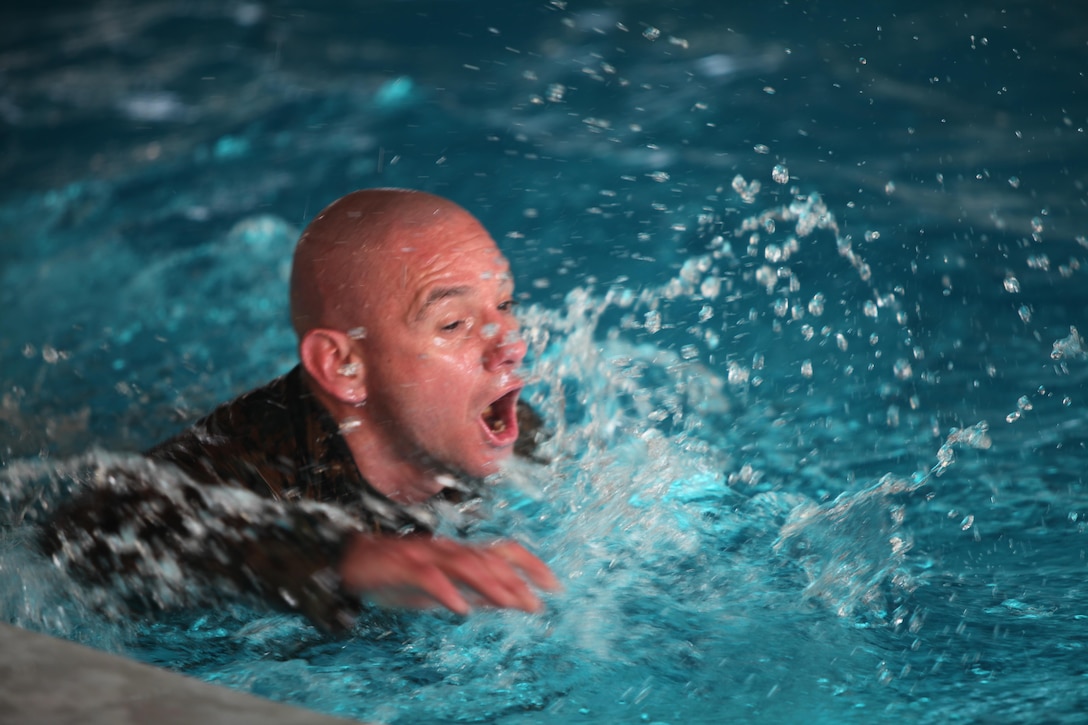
(805, 294)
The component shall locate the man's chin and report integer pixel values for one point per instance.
(486, 467)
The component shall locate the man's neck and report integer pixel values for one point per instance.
(399, 478)
(402, 481)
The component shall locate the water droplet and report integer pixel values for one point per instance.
(816, 304)
(780, 174)
(902, 369)
(349, 369)
(347, 425)
(806, 368)
(357, 333)
(761, 148)
(651, 33)
(746, 190)
(892, 416)
(1069, 347)
(889, 188)
(1014, 182)
(710, 288)
(653, 321)
(1012, 284)
(1025, 313)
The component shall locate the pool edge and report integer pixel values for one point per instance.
(44, 679)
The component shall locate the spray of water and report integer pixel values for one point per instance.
(687, 497)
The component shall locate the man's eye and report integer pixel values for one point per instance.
(452, 326)
(508, 306)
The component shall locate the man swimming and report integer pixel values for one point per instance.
(407, 391)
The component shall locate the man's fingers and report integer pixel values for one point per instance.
(537, 571)
(396, 570)
(493, 578)
(432, 581)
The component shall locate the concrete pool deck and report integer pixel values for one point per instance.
(51, 681)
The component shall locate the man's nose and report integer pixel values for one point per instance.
(505, 347)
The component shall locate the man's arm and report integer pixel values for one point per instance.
(153, 541)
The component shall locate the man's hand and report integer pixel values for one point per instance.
(420, 571)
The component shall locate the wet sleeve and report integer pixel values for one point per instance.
(184, 544)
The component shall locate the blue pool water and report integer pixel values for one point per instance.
(806, 291)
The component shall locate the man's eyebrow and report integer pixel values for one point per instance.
(438, 294)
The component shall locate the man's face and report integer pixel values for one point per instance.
(442, 348)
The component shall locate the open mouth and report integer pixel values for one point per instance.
(500, 418)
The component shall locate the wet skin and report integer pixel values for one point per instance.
(419, 366)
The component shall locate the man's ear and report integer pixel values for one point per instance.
(334, 365)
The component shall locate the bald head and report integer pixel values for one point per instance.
(329, 276)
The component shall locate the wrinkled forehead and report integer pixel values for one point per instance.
(417, 260)
(459, 243)
(475, 258)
